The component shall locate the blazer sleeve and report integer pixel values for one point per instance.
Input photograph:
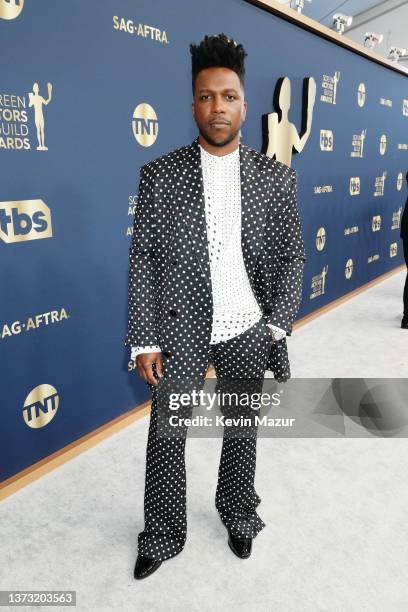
(288, 276)
(141, 328)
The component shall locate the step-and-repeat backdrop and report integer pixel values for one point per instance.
(89, 92)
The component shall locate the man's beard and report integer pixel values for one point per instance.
(214, 143)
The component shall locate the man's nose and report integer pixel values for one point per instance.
(218, 104)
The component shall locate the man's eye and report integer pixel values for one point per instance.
(204, 96)
(231, 96)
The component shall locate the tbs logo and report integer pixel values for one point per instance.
(354, 185)
(24, 220)
(376, 223)
(326, 140)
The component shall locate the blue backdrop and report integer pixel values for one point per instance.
(64, 367)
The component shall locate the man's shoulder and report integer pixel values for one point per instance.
(168, 160)
(268, 163)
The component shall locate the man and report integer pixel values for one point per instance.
(216, 270)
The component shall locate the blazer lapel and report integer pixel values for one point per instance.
(254, 195)
(191, 206)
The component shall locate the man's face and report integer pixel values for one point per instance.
(218, 105)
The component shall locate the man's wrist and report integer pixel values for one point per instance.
(138, 350)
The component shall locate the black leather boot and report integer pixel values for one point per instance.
(242, 547)
(404, 322)
(145, 566)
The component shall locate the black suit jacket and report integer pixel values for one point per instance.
(169, 289)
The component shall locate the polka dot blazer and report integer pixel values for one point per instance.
(169, 288)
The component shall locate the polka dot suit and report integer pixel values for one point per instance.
(170, 305)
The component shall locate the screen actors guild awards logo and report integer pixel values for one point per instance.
(282, 135)
(145, 124)
(358, 144)
(329, 86)
(361, 95)
(319, 283)
(38, 102)
(396, 219)
(380, 184)
(10, 9)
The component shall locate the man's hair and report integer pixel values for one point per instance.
(218, 51)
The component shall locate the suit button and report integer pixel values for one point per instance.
(267, 310)
(167, 353)
(173, 313)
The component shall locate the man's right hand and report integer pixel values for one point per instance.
(144, 363)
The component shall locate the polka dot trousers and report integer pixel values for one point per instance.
(165, 531)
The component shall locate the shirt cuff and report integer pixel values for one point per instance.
(137, 350)
(278, 333)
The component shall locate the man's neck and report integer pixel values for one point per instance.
(219, 151)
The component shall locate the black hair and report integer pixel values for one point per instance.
(219, 50)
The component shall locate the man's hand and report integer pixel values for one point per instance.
(144, 364)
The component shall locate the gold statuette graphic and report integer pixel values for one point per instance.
(40, 406)
(282, 134)
(10, 9)
(38, 101)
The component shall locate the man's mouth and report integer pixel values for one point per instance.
(219, 123)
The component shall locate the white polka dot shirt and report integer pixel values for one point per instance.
(235, 308)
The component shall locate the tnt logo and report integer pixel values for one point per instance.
(10, 9)
(40, 406)
(349, 269)
(376, 223)
(354, 185)
(326, 140)
(145, 124)
(393, 249)
(383, 144)
(361, 94)
(24, 220)
(320, 238)
(405, 107)
(400, 180)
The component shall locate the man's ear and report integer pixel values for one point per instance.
(193, 109)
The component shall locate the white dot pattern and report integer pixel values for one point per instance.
(236, 499)
(235, 308)
(170, 302)
(171, 306)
